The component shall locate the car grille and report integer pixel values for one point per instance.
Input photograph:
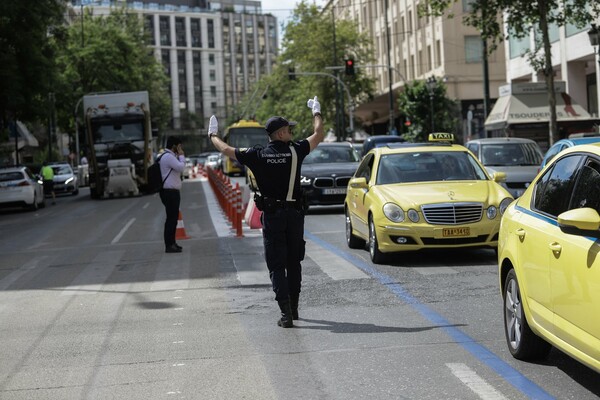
(331, 182)
(452, 213)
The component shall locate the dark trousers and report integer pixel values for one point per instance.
(283, 238)
(171, 200)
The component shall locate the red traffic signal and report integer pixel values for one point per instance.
(349, 66)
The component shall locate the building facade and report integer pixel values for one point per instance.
(573, 58)
(212, 52)
(417, 48)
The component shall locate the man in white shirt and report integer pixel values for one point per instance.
(172, 164)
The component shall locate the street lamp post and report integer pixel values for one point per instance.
(431, 84)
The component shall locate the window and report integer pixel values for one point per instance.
(180, 32)
(587, 190)
(473, 49)
(165, 38)
(552, 191)
(213, 75)
(195, 31)
(213, 91)
(211, 59)
(517, 46)
(364, 169)
(210, 24)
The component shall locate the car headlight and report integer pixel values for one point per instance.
(491, 212)
(413, 215)
(69, 181)
(305, 180)
(504, 204)
(393, 212)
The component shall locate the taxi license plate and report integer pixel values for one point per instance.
(454, 232)
(335, 191)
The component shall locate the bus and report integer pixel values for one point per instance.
(242, 134)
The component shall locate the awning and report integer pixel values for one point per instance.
(517, 106)
(376, 111)
(24, 137)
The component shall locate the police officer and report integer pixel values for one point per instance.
(277, 171)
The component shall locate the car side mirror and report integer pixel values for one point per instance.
(359, 183)
(581, 222)
(499, 177)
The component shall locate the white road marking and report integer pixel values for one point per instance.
(333, 265)
(146, 206)
(251, 269)
(120, 235)
(216, 215)
(434, 270)
(470, 378)
(91, 279)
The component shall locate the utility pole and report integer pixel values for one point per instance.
(486, 85)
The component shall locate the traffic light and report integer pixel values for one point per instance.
(349, 66)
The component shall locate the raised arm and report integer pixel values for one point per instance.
(318, 135)
(220, 145)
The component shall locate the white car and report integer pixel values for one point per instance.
(20, 188)
(212, 161)
(65, 180)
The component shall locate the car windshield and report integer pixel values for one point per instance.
(427, 167)
(62, 170)
(510, 154)
(331, 154)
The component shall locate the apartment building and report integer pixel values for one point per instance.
(212, 51)
(419, 48)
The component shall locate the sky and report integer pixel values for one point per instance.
(282, 9)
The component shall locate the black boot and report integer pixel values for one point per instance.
(286, 314)
(294, 303)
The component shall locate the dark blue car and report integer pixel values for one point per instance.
(565, 144)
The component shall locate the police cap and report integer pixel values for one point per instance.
(275, 123)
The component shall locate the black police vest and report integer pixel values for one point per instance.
(276, 168)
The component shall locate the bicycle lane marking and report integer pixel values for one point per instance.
(480, 352)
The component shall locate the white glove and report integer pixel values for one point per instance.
(213, 126)
(314, 105)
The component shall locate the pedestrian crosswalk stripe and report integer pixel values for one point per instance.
(173, 272)
(91, 279)
(336, 267)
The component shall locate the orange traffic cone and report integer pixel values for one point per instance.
(180, 232)
(252, 215)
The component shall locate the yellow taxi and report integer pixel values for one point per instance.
(412, 196)
(549, 261)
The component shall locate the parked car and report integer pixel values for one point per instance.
(409, 196)
(379, 140)
(19, 187)
(567, 143)
(326, 171)
(65, 180)
(548, 261)
(518, 158)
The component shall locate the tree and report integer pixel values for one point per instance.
(308, 47)
(522, 17)
(114, 56)
(26, 59)
(415, 102)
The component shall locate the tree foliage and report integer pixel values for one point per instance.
(523, 16)
(26, 59)
(308, 47)
(112, 54)
(416, 103)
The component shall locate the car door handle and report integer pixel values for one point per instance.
(520, 233)
(555, 247)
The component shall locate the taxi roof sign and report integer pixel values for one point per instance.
(441, 137)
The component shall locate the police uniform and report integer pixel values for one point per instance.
(276, 168)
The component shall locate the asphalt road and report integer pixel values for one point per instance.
(92, 308)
